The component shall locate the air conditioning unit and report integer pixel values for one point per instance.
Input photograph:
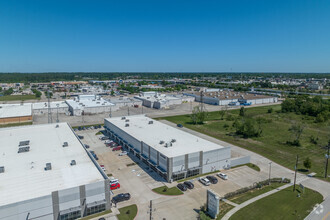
(126, 125)
(23, 149)
(127, 120)
(151, 122)
(123, 118)
(2, 169)
(73, 162)
(48, 166)
(161, 142)
(173, 140)
(65, 144)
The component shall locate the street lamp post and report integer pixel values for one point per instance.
(57, 105)
(270, 170)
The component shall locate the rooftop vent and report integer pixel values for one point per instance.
(169, 144)
(24, 143)
(127, 120)
(65, 144)
(123, 118)
(48, 166)
(23, 149)
(2, 169)
(57, 126)
(126, 125)
(173, 140)
(161, 142)
(151, 122)
(73, 162)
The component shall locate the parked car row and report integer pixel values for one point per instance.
(208, 180)
(186, 185)
(94, 155)
(80, 128)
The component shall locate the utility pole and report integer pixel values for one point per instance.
(57, 121)
(191, 106)
(202, 100)
(50, 120)
(142, 108)
(150, 209)
(110, 112)
(327, 161)
(295, 174)
(270, 170)
(128, 110)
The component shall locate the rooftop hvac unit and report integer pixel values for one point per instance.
(24, 143)
(23, 149)
(48, 166)
(127, 120)
(173, 140)
(151, 122)
(65, 144)
(126, 125)
(123, 118)
(57, 126)
(2, 169)
(73, 162)
(97, 102)
(161, 142)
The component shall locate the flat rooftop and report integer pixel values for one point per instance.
(223, 95)
(15, 110)
(44, 105)
(25, 178)
(88, 103)
(152, 134)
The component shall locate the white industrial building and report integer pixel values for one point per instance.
(89, 104)
(60, 107)
(15, 113)
(46, 173)
(171, 152)
(226, 97)
(159, 101)
(125, 101)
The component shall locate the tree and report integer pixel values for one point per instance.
(197, 115)
(270, 110)
(307, 163)
(242, 112)
(8, 91)
(222, 114)
(296, 130)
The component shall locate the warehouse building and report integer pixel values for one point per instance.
(125, 101)
(15, 113)
(60, 107)
(226, 97)
(159, 101)
(171, 152)
(46, 173)
(89, 104)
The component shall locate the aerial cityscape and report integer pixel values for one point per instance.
(164, 110)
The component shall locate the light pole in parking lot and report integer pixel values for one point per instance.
(57, 105)
(270, 170)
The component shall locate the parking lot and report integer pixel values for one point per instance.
(137, 179)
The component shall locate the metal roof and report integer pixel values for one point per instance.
(15, 110)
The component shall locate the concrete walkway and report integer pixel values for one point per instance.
(229, 202)
(238, 207)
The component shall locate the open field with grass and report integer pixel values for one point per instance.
(253, 193)
(164, 190)
(17, 97)
(284, 204)
(127, 213)
(273, 140)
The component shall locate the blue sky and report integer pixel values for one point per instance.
(165, 36)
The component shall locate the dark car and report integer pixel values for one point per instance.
(182, 187)
(179, 125)
(87, 146)
(80, 137)
(189, 184)
(79, 128)
(121, 197)
(212, 179)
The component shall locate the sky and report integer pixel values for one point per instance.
(165, 36)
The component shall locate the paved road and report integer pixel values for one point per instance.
(321, 211)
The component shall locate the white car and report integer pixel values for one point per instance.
(113, 180)
(103, 168)
(205, 181)
(222, 176)
(123, 153)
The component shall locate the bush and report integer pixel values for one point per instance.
(270, 110)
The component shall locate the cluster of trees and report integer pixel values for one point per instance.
(37, 93)
(8, 91)
(305, 105)
(198, 115)
(248, 127)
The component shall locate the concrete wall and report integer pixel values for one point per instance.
(216, 159)
(239, 161)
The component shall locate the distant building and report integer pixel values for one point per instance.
(46, 173)
(60, 107)
(156, 100)
(15, 113)
(314, 86)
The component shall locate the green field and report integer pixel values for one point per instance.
(17, 97)
(253, 193)
(273, 140)
(127, 213)
(284, 204)
(164, 190)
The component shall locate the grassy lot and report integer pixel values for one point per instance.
(127, 213)
(15, 124)
(224, 208)
(284, 204)
(251, 165)
(253, 193)
(275, 133)
(17, 97)
(96, 215)
(164, 190)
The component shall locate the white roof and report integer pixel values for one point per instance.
(88, 103)
(152, 134)
(15, 110)
(25, 178)
(44, 105)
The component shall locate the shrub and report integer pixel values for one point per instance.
(270, 110)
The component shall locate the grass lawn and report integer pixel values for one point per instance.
(281, 205)
(96, 215)
(251, 165)
(127, 213)
(15, 124)
(164, 190)
(253, 193)
(17, 97)
(275, 133)
(224, 208)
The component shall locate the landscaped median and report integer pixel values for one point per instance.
(164, 190)
(251, 165)
(127, 213)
